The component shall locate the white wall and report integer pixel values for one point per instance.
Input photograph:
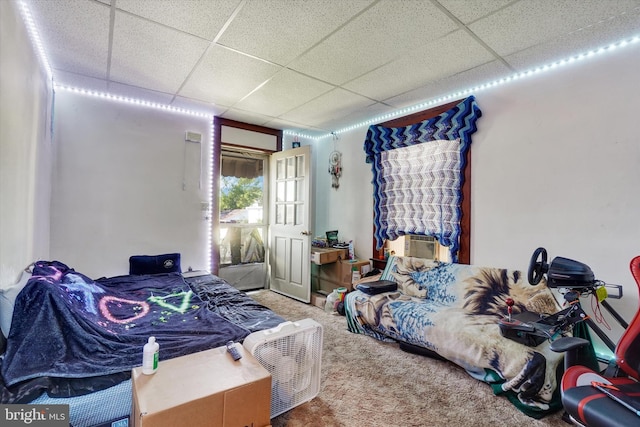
(555, 163)
(118, 185)
(25, 150)
(348, 208)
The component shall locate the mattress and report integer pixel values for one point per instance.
(111, 406)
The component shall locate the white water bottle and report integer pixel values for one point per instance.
(150, 354)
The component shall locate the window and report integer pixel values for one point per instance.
(438, 210)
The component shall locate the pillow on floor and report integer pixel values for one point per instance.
(154, 264)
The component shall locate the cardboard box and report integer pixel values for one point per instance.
(321, 256)
(345, 269)
(318, 300)
(203, 389)
(327, 277)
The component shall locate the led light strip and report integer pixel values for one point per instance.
(465, 92)
(134, 101)
(517, 76)
(209, 240)
(35, 38)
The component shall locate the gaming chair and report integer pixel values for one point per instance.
(587, 405)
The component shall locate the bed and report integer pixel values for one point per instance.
(74, 340)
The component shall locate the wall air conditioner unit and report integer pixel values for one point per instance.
(420, 246)
(292, 353)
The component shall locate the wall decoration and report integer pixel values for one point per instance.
(335, 168)
(417, 190)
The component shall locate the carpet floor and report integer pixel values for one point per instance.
(367, 383)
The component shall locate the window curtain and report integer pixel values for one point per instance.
(418, 172)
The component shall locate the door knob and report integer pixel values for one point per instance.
(305, 233)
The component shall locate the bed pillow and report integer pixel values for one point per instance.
(7, 300)
(154, 264)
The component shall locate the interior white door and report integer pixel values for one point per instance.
(289, 223)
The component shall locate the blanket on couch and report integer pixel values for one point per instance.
(453, 310)
(68, 326)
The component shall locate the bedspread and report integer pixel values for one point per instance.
(68, 326)
(453, 310)
(232, 304)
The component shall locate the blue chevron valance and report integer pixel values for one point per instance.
(417, 187)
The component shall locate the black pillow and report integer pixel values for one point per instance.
(377, 287)
(154, 264)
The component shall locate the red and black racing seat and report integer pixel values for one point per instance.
(588, 406)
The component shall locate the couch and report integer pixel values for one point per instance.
(452, 311)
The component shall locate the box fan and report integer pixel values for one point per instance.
(292, 353)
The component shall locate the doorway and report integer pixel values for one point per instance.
(290, 222)
(243, 217)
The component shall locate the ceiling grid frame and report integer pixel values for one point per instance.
(589, 27)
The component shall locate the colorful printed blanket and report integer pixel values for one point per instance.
(453, 310)
(82, 335)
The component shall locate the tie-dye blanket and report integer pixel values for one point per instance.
(68, 326)
(453, 310)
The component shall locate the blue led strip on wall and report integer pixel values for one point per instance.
(458, 122)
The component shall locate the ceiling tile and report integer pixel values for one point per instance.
(80, 81)
(225, 76)
(356, 117)
(134, 92)
(526, 23)
(193, 105)
(381, 34)
(399, 52)
(327, 107)
(202, 18)
(469, 11)
(74, 34)
(284, 92)
(483, 74)
(246, 117)
(286, 124)
(150, 55)
(452, 54)
(595, 36)
(280, 30)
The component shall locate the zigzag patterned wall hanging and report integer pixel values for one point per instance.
(416, 186)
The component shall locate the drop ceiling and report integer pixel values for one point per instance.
(313, 66)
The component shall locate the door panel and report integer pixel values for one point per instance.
(279, 255)
(295, 273)
(290, 221)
